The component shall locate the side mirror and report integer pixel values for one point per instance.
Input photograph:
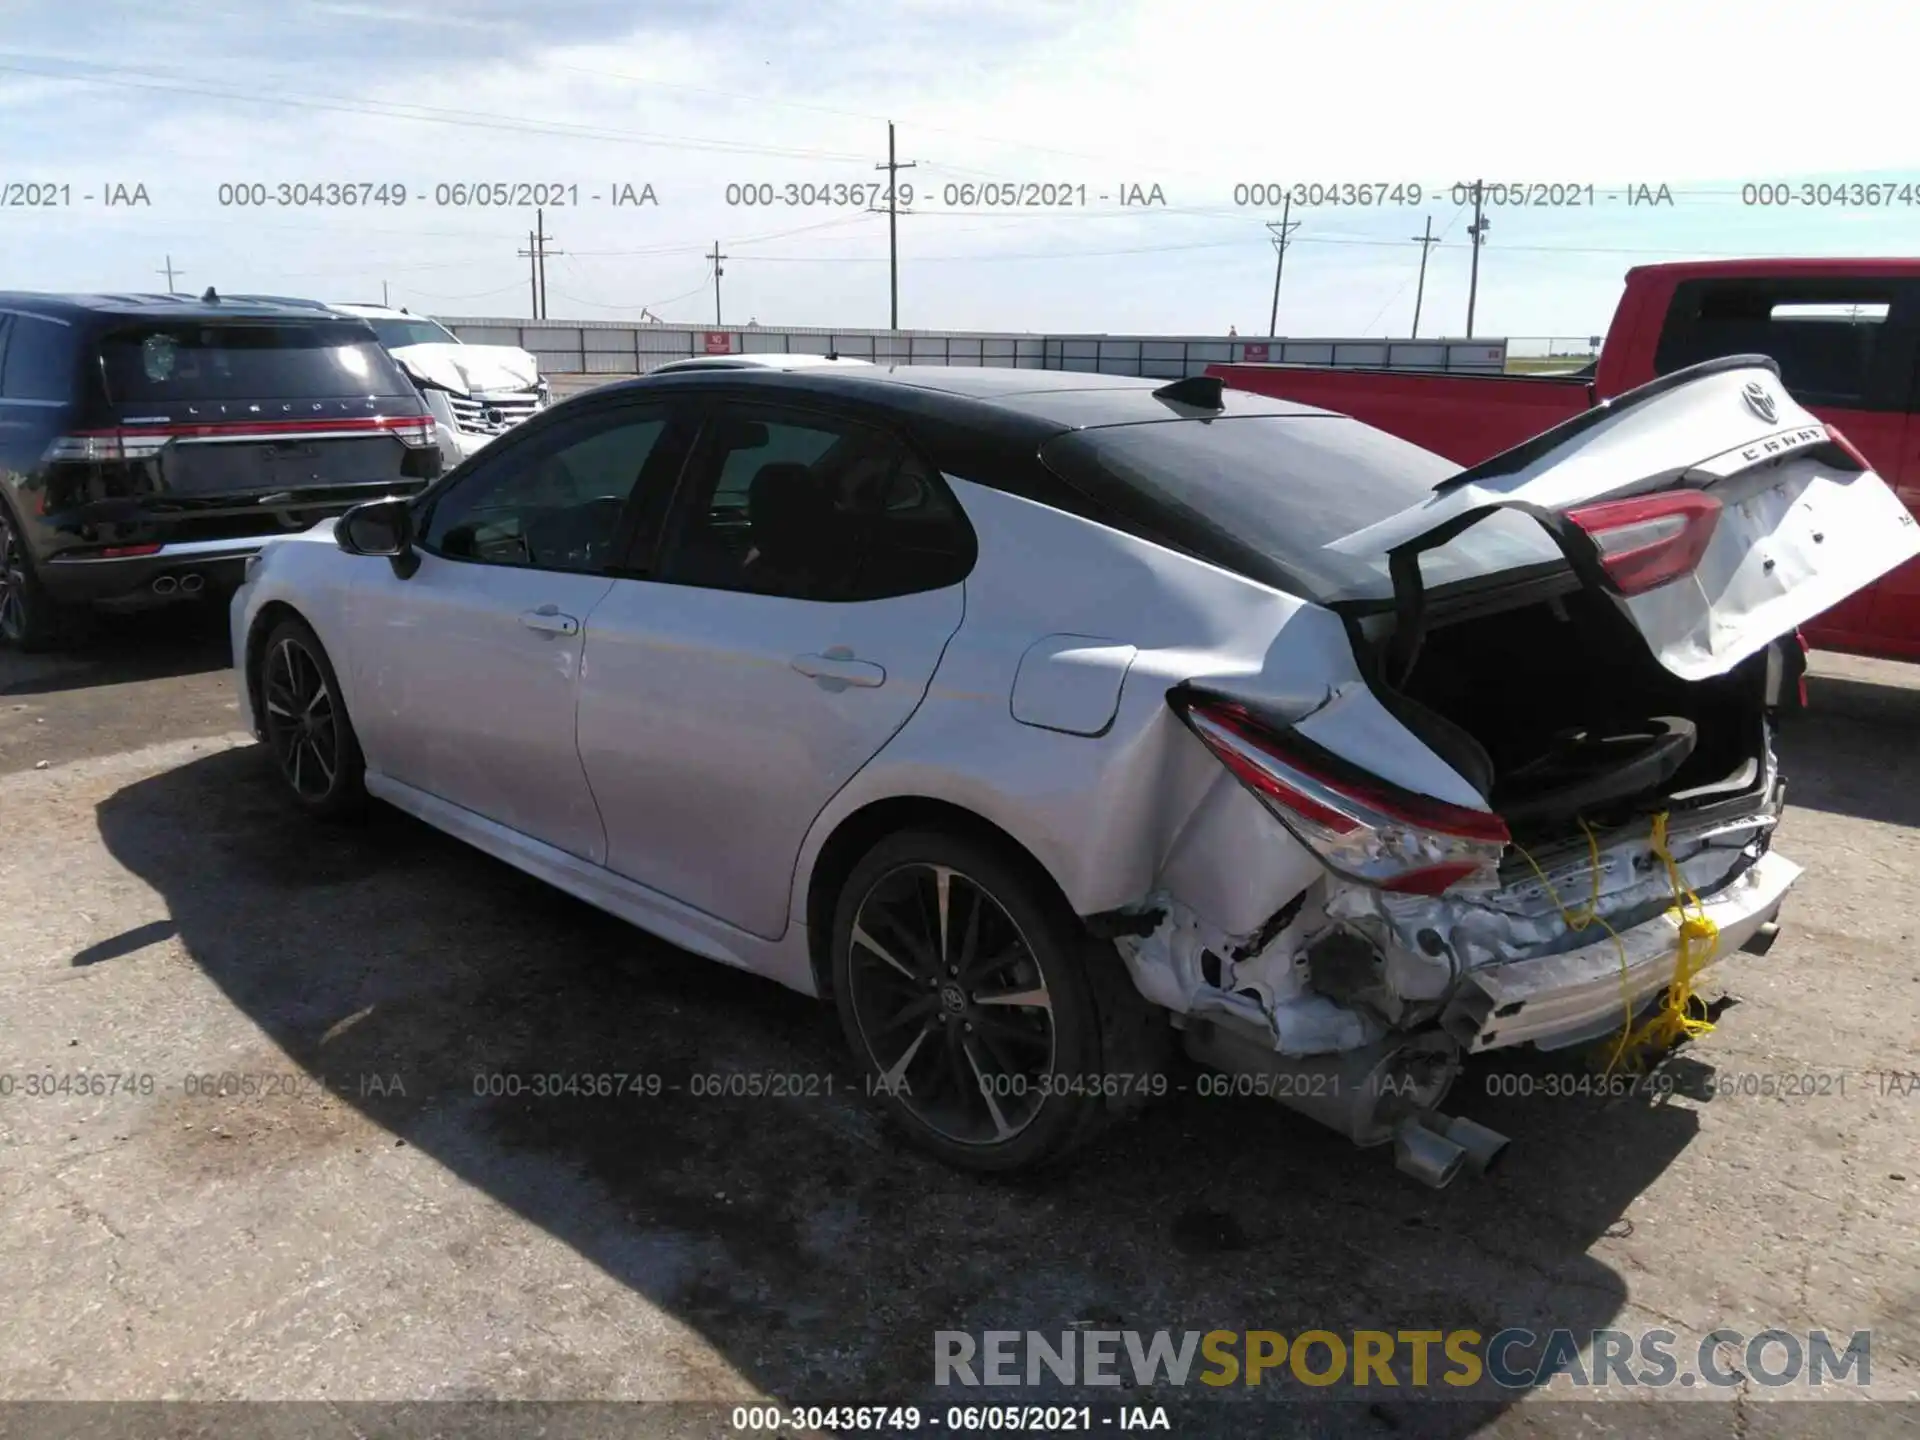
(380, 527)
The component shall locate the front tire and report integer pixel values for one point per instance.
(961, 982)
(304, 717)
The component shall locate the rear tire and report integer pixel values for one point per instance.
(31, 620)
(304, 718)
(963, 986)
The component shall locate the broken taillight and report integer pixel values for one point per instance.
(1360, 826)
(1648, 540)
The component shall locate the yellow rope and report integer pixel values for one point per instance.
(1672, 1021)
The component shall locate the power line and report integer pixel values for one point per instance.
(644, 310)
(473, 295)
(115, 76)
(893, 168)
(1401, 288)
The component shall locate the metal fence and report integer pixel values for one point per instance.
(606, 348)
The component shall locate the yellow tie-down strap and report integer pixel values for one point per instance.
(1681, 1015)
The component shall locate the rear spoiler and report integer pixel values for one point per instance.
(1527, 451)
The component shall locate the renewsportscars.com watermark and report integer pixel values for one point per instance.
(1435, 1360)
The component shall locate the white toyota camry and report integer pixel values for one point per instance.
(1043, 721)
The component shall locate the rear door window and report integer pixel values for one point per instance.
(187, 361)
(39, 359)
(1840, 342)
(812, 507)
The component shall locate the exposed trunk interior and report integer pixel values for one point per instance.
(1558, 711)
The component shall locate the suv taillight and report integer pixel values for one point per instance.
(1648, 540)
(100, 446)
(414, 430)
(1360, 826)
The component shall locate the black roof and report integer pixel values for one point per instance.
(1042, 402)
(147, 306)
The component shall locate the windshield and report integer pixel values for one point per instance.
(396, 333)
(194, 360)
(1265, 495)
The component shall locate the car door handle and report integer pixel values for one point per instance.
(838, 668)
(549, 620)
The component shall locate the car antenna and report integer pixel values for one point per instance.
(1207, 392)
(210, 297)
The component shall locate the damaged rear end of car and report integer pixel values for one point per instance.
(1547, 801)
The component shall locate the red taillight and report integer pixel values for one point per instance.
(1649, 540)
(133, 444)
(1361, 826)
(104, 446)
(1847, 448)
(123, 552)
(414, 430)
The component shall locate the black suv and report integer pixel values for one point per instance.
(150, 443)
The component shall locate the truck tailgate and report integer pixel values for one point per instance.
(1466, 418)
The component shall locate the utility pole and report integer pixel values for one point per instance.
(1426, 242)
(540, 240)
(537, 253)
(383, 296)
(716, 257)
(1281, 234)
(893, 168)
(1479, 233)
(533, 276)
(170, 272)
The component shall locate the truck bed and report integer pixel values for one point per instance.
(1466, 418)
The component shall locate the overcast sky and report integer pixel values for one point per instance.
(692, 95)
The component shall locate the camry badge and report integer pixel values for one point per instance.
(1759, 401)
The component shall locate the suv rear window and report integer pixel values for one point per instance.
(194, 360)
(1266, 495)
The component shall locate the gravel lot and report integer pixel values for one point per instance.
(368, 1227)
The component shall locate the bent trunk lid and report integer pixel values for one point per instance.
(1802, 523)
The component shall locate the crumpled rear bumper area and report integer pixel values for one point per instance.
(1552, 1001)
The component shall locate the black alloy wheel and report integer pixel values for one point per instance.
(306, 722)
(960, 978)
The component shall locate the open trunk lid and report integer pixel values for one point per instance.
(1714, 510)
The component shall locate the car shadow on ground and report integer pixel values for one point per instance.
(184, 639)
(812, 1251)
(1847, 764)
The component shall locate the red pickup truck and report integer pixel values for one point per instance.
(1846, 335)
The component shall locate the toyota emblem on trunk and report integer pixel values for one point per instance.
(1759, 401)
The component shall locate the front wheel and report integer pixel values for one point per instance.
(961, 984)
(306, 723)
